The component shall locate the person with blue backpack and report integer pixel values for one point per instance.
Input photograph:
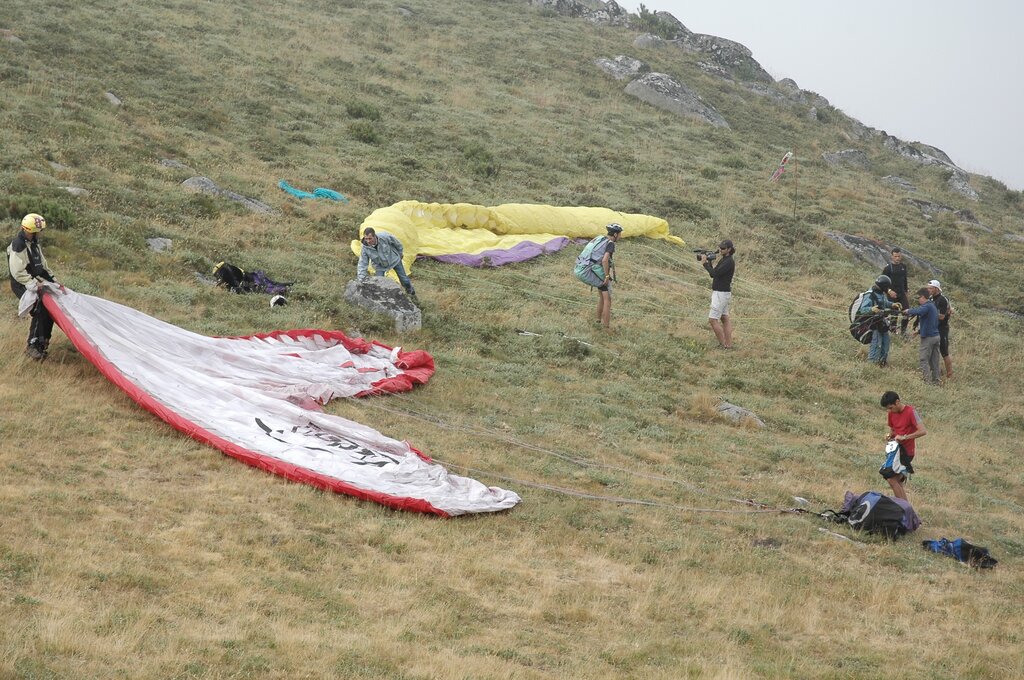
(594, 267)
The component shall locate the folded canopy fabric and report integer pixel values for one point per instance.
(477, 235)
(256, 398)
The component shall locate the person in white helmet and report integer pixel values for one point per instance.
(945, 312)
(28, 268)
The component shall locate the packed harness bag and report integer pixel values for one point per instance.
(875, 513)
(588, 264)
(863, 322)
(237, 280)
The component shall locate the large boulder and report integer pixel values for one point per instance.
(662, 91)
(932, 209)
(382, 295)
(958, 182)
(877, 253)
(898, 182)
(648, 41)
(738, 414)
(731, 55)
(853, 157)
(621, 67)
(205, 185)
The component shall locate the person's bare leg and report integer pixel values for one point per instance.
(727, 331)
(605, 309)
(948, 361)
(716, 326)
(897, 487)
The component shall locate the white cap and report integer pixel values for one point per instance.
(935, 284)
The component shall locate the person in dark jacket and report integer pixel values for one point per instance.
(945, 312)
(896, 270)
(385, 252)
(28, 269)
(928, 327)
(721, 292)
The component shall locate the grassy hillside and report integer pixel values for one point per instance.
(127, 550)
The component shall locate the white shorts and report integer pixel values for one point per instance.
(719, 304)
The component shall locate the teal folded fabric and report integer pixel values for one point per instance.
(319, 192)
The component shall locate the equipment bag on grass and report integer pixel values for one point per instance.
(588, 264)
(873, 513)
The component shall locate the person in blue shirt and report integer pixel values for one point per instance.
(928, 327)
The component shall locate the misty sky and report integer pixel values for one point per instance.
(940, 72)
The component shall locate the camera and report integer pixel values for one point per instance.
(711, 254)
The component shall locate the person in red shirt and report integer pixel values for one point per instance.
(905, 427)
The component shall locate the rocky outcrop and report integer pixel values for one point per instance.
(898, 182)
(605, 13)
(738, 414)
(851, 157)
(733, 56)
(877, 253)
(158, 244)
(958, 182)
(648, 41)
(205, 185)
(382, 295)
(660, 90)
(621, 67)
(931, 209)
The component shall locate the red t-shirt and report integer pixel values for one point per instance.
(905, 422)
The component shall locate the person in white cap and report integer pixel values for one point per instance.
(945, 312)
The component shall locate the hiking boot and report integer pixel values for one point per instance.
(33, 352)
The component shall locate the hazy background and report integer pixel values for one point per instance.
(940, 72)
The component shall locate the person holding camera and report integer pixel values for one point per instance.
(721, 291)
(385, 252)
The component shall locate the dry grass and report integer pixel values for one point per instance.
(128, 551)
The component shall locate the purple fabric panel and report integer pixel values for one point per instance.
(497, 257)
(910, 519)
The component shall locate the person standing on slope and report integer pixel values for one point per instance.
(721, 292)
(28, 269)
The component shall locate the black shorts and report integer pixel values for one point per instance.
(944, 341)
(603, 287)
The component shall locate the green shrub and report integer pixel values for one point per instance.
(364, 131)
(689, 210)
(481, 161)
(650, 22)
(709, 173)
(357, 109)
(734, 162)
(56, 211)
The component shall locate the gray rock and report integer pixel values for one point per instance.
(58, 167)
(877, 253)
(610, 13)
(812, 114)
(851, 157)
(567, 8)
(714, 70)
(113, 98)
(668, 19)
(1016, 238)
(173, 163)
(934, 152)
(812, 99)
(603, 13)
(382, 295)
(858, 130)
(899, 182)
(205, 185)
(648, 41)
(660, 90)
(789, 85)
(766, 90)
(621, 67)
(7, 35)
(76, 191)
(738, 414)
(731, 55)
(204, 279)
(405, 12)
(958, 182)
(931, 209)
(158, 244)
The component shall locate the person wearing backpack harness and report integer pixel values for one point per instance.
(928, 327)
(721, 292)
(385, 252)
(945, 312)
(896, 270)
(905, 427)
(28, 269)
(875, 302)
(594, 267)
